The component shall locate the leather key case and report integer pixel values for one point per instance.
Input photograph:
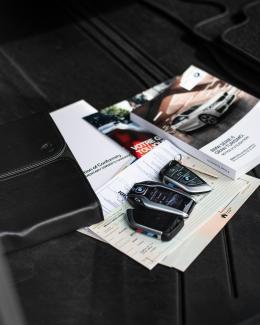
(43, 192)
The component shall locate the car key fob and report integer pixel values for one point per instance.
(158, 196)
(175, 174)
(155, 224)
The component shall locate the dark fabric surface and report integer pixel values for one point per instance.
(52, 54)
(245, 36)
(233, 28)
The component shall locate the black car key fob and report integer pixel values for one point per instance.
(175, 174)
(158, 196)
(155, 224)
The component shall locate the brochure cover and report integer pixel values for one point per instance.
(114, 122)
(99, 157)
(206, 117)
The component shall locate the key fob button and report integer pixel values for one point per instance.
(195, 181)
(179, 175)
(138, 200)
(140, 189)
(186, 179)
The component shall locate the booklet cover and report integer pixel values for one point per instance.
(99, 157)
(114, 122)
(205, 117)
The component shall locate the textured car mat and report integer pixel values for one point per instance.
(55, 56)
(237, 32)
(76, 41)
(225, 55)
(41, 56)
(204, 17)
(142, 31)
(188, 13)
(213, 27)
(148, 37)
(244, 38)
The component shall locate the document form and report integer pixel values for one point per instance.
(148, 251)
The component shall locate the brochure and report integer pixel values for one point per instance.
(99, 157)
(204, 116)
(116, 124)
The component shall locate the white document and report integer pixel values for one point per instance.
(185, 254)
(182, 257)
(99, 157)
(145, 250)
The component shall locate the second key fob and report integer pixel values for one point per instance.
(158, 196)
(175, 174)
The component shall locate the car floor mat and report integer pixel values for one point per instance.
(244, 38)
(223, 58)
(139, 24)
(34, 81)
(237, 45)
(206, 18)
(126, 47)
(57, 56)
(187, 13)
(212, 28)
(120, 40)
(236, 31)
(142, 33)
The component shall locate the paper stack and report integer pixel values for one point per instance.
(112, 172)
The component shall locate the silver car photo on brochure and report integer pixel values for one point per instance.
(207, 113)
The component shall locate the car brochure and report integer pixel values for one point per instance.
(202, 115)
(99, 157)
(116, 124)
(146, 250)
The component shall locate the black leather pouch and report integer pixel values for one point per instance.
(43, 192)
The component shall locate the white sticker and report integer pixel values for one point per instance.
(191, 77)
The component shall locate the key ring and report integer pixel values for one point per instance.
(178, 158)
